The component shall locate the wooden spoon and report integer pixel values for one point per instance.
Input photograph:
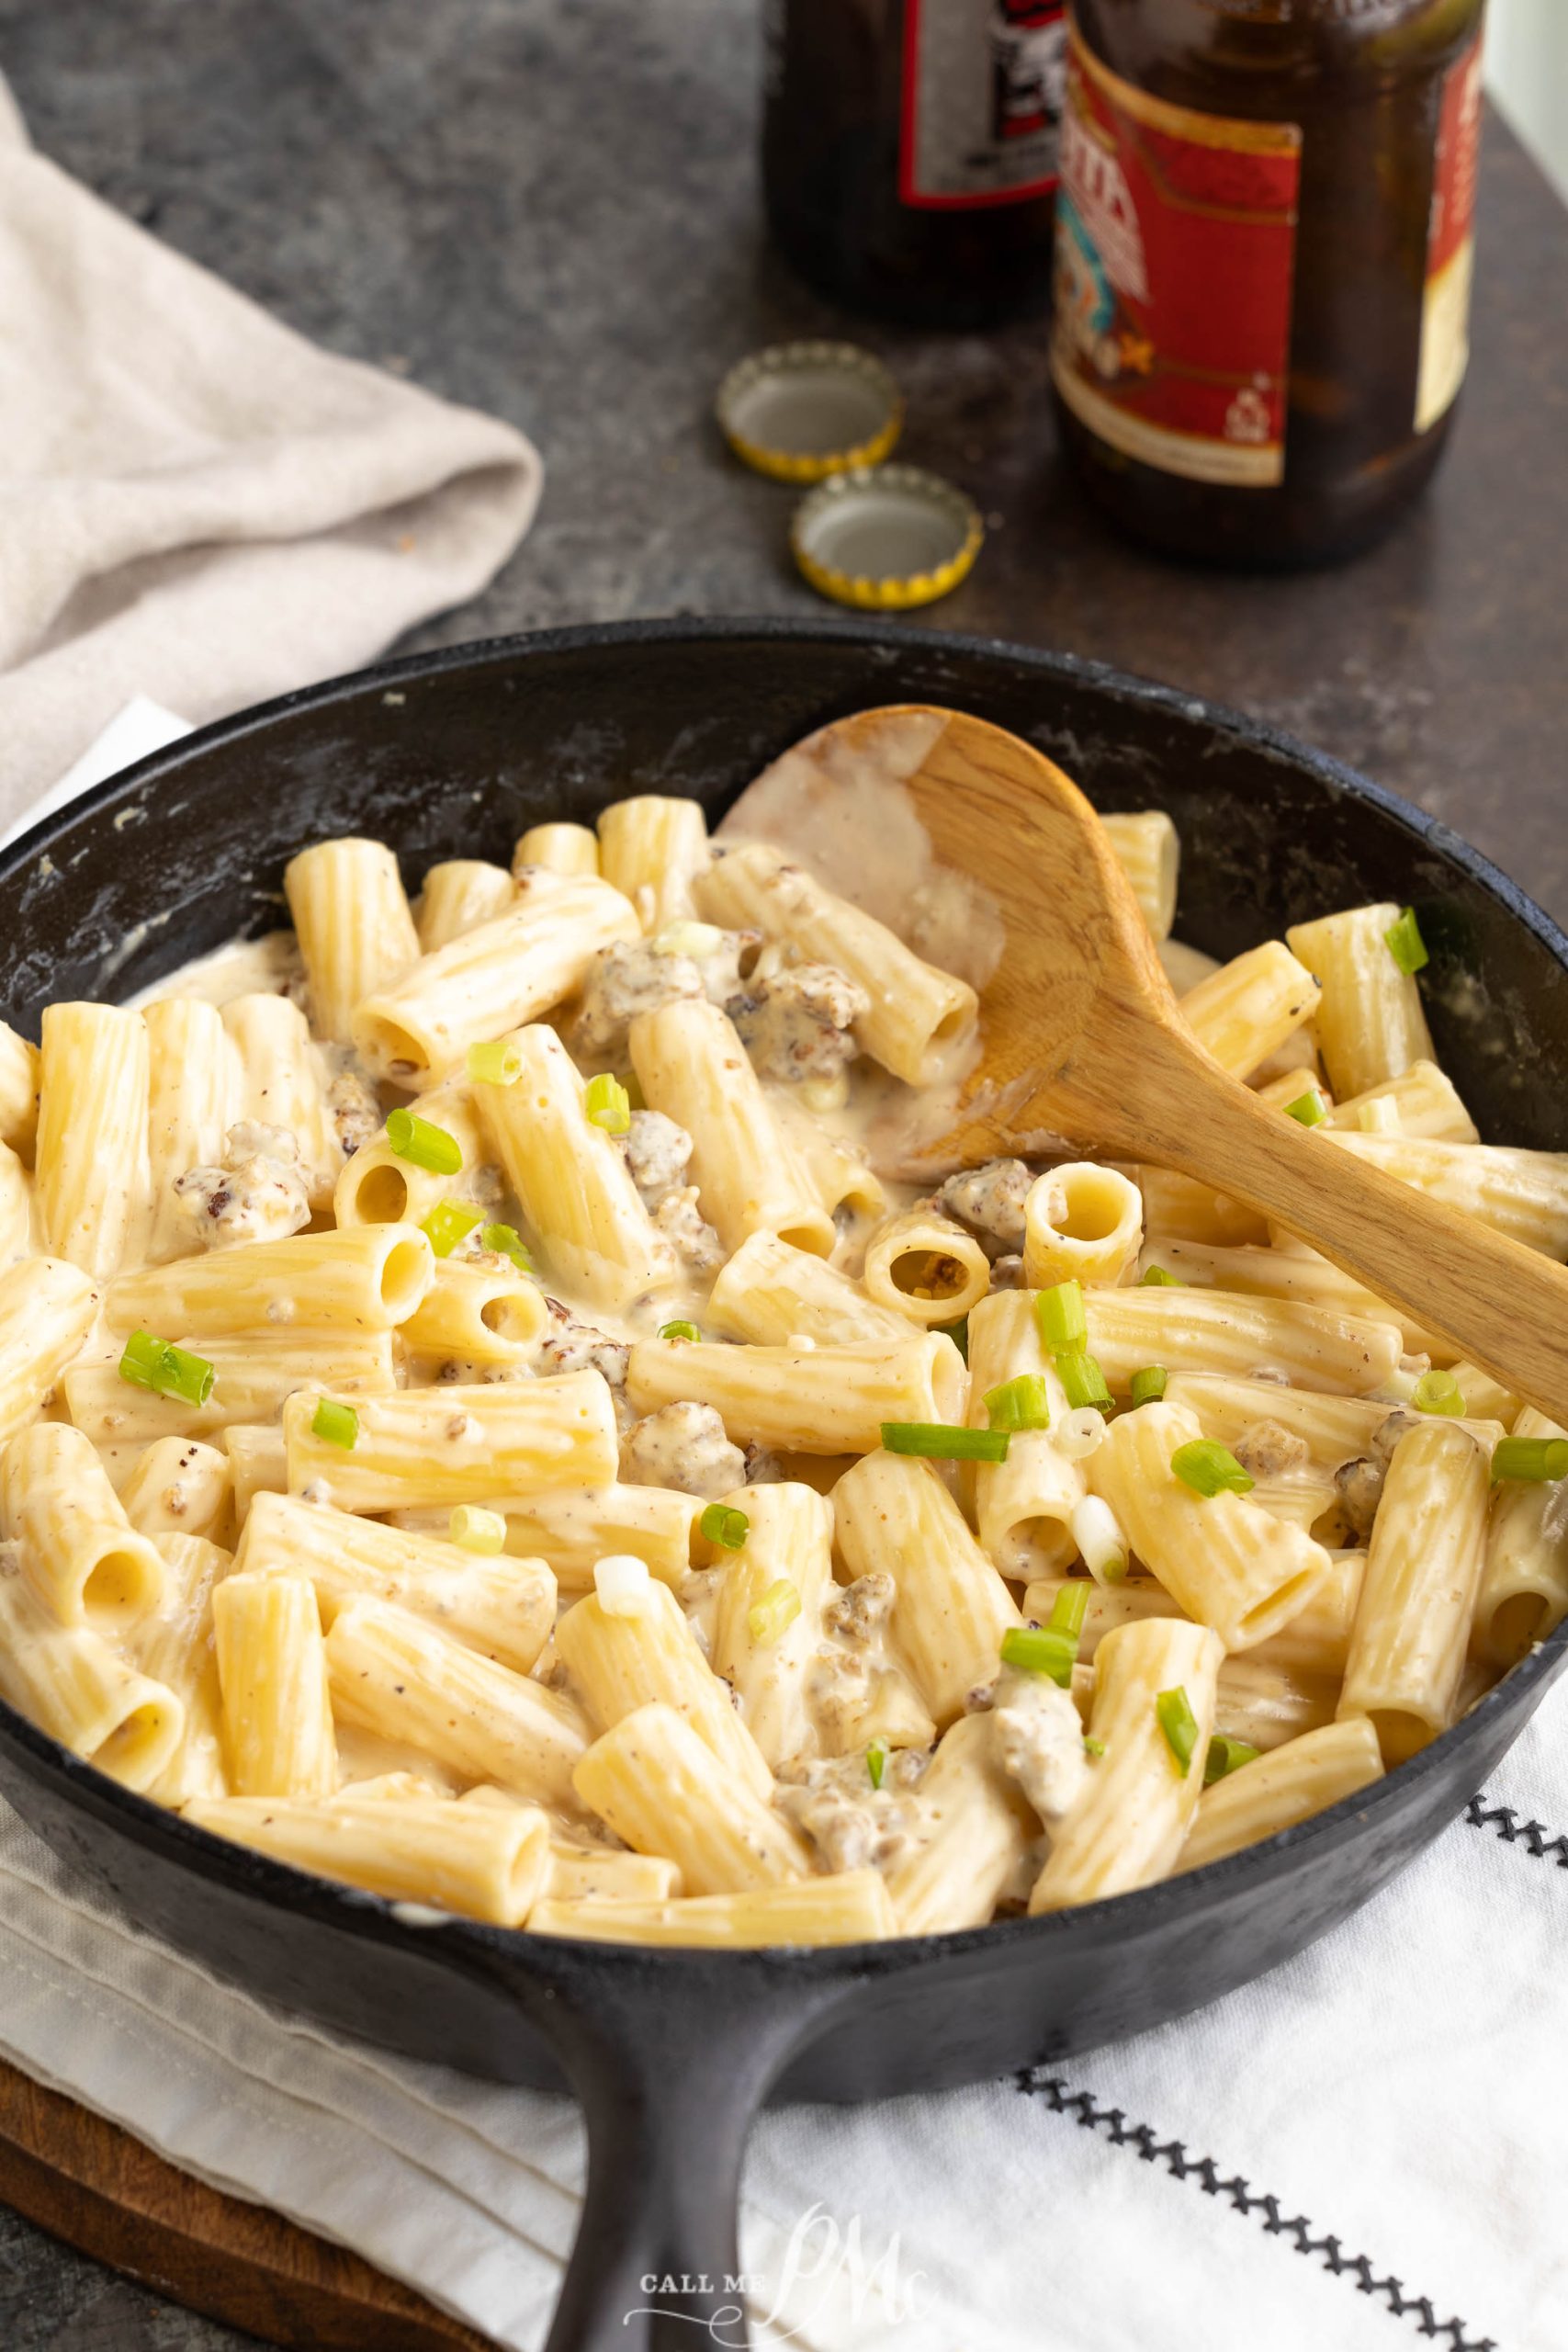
(1083, 1040)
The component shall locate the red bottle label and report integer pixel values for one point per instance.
(982, 101)
(1450, 241)
(1176, 245)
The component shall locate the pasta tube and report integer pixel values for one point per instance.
(623, 1660)
(662, 1790)
(396, 1674)
(920, 1020)
(925, 1267)
(599, 1874)
(893, 1513)
(1426, 1103)
(1524, 1194)
(1314, 1642)
(456, 1444)
(258, 1463)
(691, 1065)
(458, 895)
(1265, 1705)
(651, 848)
(478, 1312)
(850, 1908)
(840, 1177)
(978, 1830)
(812, 1400)
(770, 1293)
(174, 1647)
(1130, 1823)
(1081, 1223)
(572, 1180)
(367, 1279)
(179, 1487)
(278, 1720)
(47, 1308)
(67, 1680)
(1193, 1211)
(502, 1606)
(79, 1552)
(1229, 1564)
(17, 1238)
(1524, 1582)
(788, 1543)
(282, 1083)
(1276, 1791)
(1418, 1595)
(568, 849)
(573, 1527)
(1220, 1331)
(1300, 1275)
(92, 1184)
(253, 1378)
(193, 1089)
(352, 919)
(379, 1186)
(492, 978)
(1245, 1012)
(488, 1862)
(19, 1068)
(1148, 850)
(1370, 1022)
(1024, 1506)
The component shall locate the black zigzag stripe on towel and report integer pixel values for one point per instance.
(1533, 1836)
(1090, 2117)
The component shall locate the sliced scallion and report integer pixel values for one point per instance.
(507, 1242)
(1225, 1754)
(1040, 1649)
(1022, 1403)
(723, 1524)
(768, 1620)
(449, 1223)
(876, 1761)
(1532, 1460)
(1210, 1468)
(336, 1424)
(475, 1529)
(1148, 1385)
(1405, 943)
(1307, 1108)
(1083, 1381)
(1179, 1726)
(151, 1363)
(423, 1143)
(1438, 1392)
(942, 1441)
(679, 1331)
(1060, 1315)
(495, 1063)
(1155, 1278)
(607, 1104)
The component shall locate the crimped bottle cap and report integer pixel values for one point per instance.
(886, 537)
(804, 411)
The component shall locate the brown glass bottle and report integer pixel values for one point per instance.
(909, 151)
(1263, 264)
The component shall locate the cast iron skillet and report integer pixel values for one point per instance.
(671, 2052)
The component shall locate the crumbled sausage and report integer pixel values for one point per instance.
(989, 1201)
(859, 1611)
(570, 1346)
(1270, 1450)
(679, 1218)
(797, 1023)
(260, 1193)
(658, 1152)
(763, 1468)
(623, 981)
(1387, 1434)
(1006, 1274)
(1039, 1741)
(1359, 1485)
(683, 1446)
(351, 1108)
(852, 1825)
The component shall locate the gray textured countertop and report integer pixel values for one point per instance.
(551, 211)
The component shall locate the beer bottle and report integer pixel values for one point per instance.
(909, 151)
(1263, 263)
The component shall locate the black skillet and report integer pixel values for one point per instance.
(670, 2053)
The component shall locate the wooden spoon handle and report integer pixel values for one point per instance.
(1502, 1304)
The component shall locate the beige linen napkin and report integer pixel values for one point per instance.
(194, 502)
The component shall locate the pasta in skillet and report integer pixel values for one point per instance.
(474, 1423)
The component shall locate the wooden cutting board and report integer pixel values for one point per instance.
(93, 2185)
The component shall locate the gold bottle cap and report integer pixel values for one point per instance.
(885, 538)
(804, 411)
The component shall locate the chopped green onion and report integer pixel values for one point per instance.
(507, 1242)
(1210, 1469)
(336, 1424)
(608, 1105)
(1101, 1545)
(151, 1363)
(1070, 1607)
(1148, 1385)
(678, 1332)
(1023, 1403)
(423, 1143)
(1060, 1315)
(475, 1529)
(1225, 1754)
(722, 1525)
(449, 1223)
(495, 1063)
(1308, 1108)
(958, 1333)
(1040, 1649)
(876, 1761)
(1532, 1460)
(1179, 1726)
(1094, 1747)
(941, 1441)
(1405, 943)
(1438, 1392)
(770, 1619)
(1155, 1278)
(1083, 1381)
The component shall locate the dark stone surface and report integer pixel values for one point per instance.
(551, 210)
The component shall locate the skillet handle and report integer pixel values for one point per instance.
(671, 2075)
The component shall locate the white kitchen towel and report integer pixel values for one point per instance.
(194, 501)
(1365, 2149)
